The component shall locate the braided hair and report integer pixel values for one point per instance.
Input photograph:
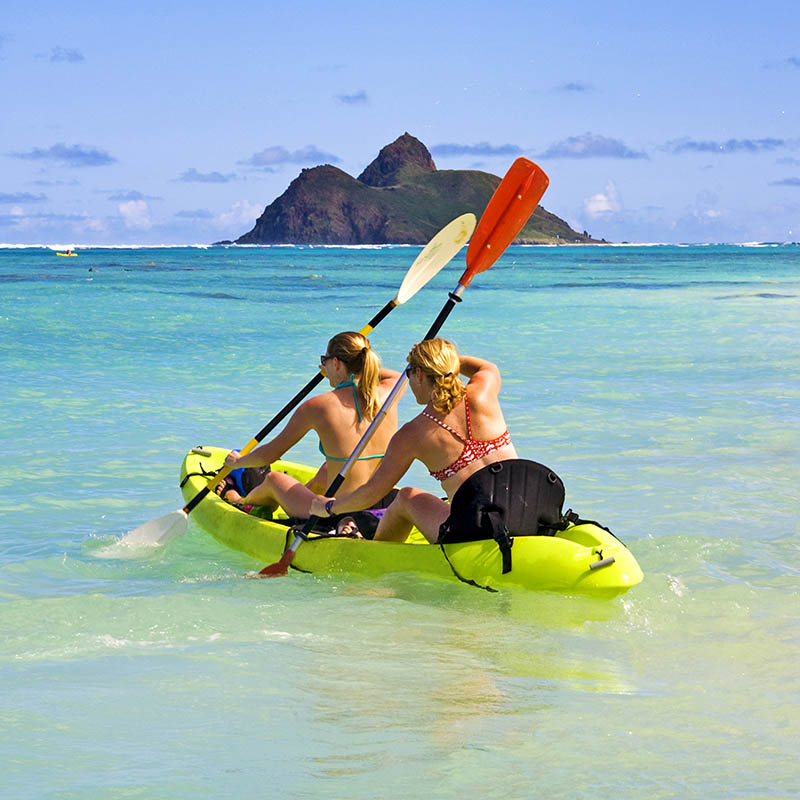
(439, 360)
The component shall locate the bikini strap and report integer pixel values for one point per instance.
(469, 419)
(445, 426)
(351, 382)
(337, 458)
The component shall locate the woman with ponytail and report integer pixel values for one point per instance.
(339, 417)
(460, 430)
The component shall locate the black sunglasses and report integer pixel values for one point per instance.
(323, 359)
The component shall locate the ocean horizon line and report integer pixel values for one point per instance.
(306, 245)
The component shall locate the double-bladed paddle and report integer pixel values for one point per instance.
(434, 256)
(509, 208)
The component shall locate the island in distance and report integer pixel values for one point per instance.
(400, 198)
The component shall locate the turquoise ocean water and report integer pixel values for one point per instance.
(662, 384)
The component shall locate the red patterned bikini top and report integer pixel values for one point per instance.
(473, 448)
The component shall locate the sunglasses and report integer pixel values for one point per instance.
(323, 359)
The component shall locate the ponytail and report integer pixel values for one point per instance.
(355, 352)
(368, 382)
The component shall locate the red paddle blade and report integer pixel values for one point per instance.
(279, 568)
(511, 206)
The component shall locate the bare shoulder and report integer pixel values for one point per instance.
(318, 401)
(403, 448)
(411, 432)
(316, 407)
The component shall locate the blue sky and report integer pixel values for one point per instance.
(168, 123)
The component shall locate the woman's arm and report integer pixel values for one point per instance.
(388, 375)
(389, 378)
(399, 456)
(481, 371)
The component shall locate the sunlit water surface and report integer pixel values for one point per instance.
(661, 383)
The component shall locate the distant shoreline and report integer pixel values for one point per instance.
(200, 246)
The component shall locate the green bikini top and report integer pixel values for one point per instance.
(351, 382)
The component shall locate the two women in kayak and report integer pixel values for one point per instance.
(460, 430)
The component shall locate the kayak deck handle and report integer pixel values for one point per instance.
(603, 562)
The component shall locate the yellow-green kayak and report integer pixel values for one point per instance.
(584, 558)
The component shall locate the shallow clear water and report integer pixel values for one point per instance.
(661, 383)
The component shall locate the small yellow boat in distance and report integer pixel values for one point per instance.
(68, 253)
(583, 559)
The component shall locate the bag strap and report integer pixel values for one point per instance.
(492, 522)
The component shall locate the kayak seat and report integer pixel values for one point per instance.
(510, 498)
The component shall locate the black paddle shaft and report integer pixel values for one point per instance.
(315, 381)
(443, 314)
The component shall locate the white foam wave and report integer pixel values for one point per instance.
(203, 246)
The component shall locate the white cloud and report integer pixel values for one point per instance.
(238, 215)
(92, 224)
(46, 225)
(192, 175)
(135, 214)
(356, 98)
(591, 145)
(70, 155)
(18, 219)
(66, 54)
(603, 204)
(277, 155)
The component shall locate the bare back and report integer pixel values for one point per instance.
(426, 440)
(439, 448)
(337, 424)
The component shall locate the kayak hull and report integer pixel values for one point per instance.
(562, 563)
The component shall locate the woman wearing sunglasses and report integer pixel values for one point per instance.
(338, 417)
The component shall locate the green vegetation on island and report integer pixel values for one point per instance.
(400, 198)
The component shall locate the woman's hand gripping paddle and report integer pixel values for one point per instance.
(509, 208)
(434, 256)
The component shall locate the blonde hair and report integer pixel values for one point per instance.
(354, 351)
(439, 360)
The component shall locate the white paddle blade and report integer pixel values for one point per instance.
(158, 531)
(438, 252)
